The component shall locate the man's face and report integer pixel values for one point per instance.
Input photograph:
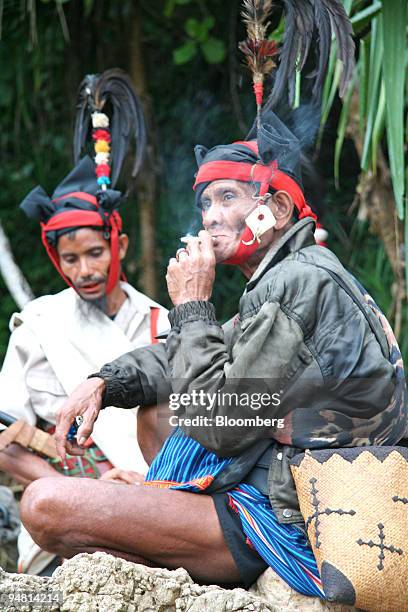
(85, 258)
(225, 205)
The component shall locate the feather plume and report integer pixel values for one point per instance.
(299, 25)
(112, 89)
(305, 20)
(258, 50)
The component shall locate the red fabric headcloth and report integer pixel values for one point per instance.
(86, 218)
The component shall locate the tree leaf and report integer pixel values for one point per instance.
(192, 27)
(374, 82)
(362, 18)
(298, 81)
(330, 88)
(363, 84)
(394, 35)
(378, 128)
(208, 22)
(406, 231)
(348, 5)
(198, 30)
(185, 53)
(214, 50)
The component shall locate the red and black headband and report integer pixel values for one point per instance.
(75, 219)
(77, 203)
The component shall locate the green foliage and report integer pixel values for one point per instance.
(394, 33)
(373, 92)
(213, 50)
(381, 29)
(199, 38)
(363, 255)
(185, 52)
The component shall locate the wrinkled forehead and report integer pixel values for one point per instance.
(219, 186)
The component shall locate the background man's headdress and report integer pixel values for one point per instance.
(85, 197)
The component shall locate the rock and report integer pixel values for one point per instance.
(19, 587)
(274, 590)
(103, 583)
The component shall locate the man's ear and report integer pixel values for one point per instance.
(123, 245)
(282, 207)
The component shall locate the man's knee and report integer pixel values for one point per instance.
(41, 509)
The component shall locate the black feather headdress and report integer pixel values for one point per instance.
(306, 22)
(112, 93)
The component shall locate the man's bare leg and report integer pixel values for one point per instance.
(156, 527)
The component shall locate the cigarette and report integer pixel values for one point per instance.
(188, 238)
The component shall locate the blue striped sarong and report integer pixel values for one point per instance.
(185, 465)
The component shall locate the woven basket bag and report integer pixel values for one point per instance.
(355, 505)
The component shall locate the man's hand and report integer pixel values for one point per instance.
(191, 274)
(86, 401)
(123, 476)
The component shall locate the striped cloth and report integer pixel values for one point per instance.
(184, 464)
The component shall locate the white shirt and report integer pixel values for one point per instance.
(53, 348)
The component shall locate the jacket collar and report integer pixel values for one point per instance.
(299, 236)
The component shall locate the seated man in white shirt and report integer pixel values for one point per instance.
(57, 340)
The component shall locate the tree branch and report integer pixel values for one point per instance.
(14, 279)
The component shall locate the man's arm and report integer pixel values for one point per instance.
(267, 357)
(136, 378)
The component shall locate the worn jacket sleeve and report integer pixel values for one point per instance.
(139, 377)
(267, 356)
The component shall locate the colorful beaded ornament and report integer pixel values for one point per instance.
(102, 138)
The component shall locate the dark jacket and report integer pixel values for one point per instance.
(305, 335)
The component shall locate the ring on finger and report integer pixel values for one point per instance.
(180, 251)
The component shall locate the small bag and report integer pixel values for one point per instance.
(355, 505)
